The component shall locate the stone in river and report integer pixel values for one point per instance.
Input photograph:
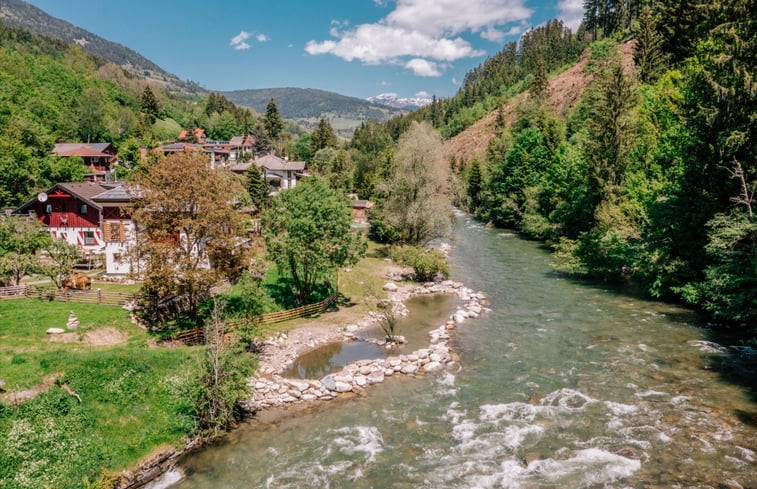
(377, 377)
(409, 369)
(390, 287)
(431, 366)
(329, 383)
(365, 370)
(342, 387)
(361, 381)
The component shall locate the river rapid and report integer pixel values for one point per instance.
(561, 385)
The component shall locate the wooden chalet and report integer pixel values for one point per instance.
(98, 157)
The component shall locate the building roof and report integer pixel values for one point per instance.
(273, 163)
(121, 193)
(84, 191)
(61, 148)
(362, 204)
(83, 151)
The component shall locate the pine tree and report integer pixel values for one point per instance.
(257, 187)
(149, 104)
(274, 125)
(647, 53)
(475, 182)
(323, 137)
(539, 83)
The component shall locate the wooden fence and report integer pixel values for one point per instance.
(61, 295)
(196, 336)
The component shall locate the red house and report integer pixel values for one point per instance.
(97, 157)
(68, 212)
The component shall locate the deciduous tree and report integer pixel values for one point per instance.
(308, 234)
(187, 228)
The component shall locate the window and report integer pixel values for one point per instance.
(83, 209)
(48, 209)
(89, 237)
(63, 207)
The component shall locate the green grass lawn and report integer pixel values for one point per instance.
(132, 396)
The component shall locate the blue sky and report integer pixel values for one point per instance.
(354, 47)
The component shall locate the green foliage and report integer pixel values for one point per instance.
(132, 401)
(20, 240)
(412, 199)
(428, 263)
(222, 378)
(322, 137)
(308, 234)
(272, 121)
(257, 187)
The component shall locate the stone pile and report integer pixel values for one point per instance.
(73, 323)
(272, 390)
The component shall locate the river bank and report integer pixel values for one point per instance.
(271, 389)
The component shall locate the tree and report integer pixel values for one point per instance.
(308, 234)
(647, 53)
(189, 232)
(274, 125)
(90, 114)
(608, 134)
(539, 83)
(148, 105)
(323, 137)
(20, 239)
(414, 201)
(257, 187)
(261, 140)
(59, 261)
(475, 181)
(222, 380)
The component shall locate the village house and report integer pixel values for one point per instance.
(97, 157)
(118, 230)
(280, 173)
(68, 212)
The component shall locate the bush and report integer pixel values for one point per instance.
(427, 264)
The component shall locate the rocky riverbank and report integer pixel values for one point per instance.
(270, 389)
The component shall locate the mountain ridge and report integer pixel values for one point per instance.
(18, 13)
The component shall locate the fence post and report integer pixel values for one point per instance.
(99, 296)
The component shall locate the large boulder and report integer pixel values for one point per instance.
(390, 287)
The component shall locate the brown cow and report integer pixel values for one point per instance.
(78, 281)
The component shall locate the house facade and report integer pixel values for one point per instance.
(280, 173)
(68, 212)
(118, 230)
(97, 157)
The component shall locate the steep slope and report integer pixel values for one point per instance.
(306, 106)
(565, 91)
(17, 13)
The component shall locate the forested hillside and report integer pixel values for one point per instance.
(307, 106)
(650, 178)
(53, 91)
(18, 13)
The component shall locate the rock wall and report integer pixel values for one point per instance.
(270, 389)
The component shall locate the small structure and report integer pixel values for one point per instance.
(118, 229)
(98, 157)
(73, 322)
(360, 210)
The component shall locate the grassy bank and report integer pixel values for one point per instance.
(131, 394)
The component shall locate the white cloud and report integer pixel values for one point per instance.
(423, 67)
(423, 94)
(571, 12)
(424, 35)
(454, 80)
(383, 83)
(238, 41)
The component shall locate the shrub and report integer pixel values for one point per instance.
(427, 264)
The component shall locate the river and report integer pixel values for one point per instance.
(561, 385)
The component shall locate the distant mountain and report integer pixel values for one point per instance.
(306, 106)
(17, 13)
(392, 100)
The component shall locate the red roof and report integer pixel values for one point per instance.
(82, 151)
